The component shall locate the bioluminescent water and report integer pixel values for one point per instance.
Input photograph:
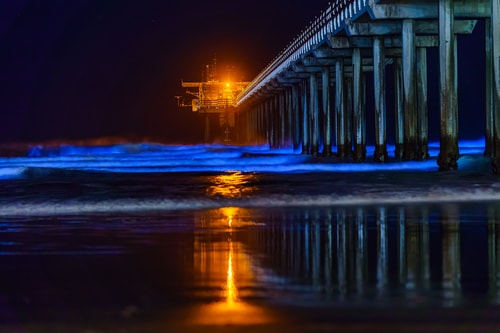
(77, 179)
(153, 238)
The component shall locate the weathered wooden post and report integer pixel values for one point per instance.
(358, 107)
(263, 121)
(276, 121)
(340, 109)
(296, 116)
(348, 114)
(490, 84)
(399, 109)
(282, 113)
(409, 80)
(289, 117)
(380, 154)
(327, 145)
(314, 112)
(269, 122)
(422, 112)
(495, 34)
(305, 120)
(449, 153)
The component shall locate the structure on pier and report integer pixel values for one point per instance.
(313, 94)
(214, 96)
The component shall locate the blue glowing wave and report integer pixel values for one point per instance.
(156, 158)
(263, 177)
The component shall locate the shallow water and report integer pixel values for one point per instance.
(89, 250)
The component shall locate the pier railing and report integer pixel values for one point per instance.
(329, 21)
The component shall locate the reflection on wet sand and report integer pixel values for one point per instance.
(494, 253)
(250, 264)
(224, 268)
(233, 267)
(408, 256)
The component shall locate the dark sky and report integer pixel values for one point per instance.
(72, 69)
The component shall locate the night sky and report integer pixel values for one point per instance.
(76, 69)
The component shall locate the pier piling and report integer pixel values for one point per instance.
(354, 37)
(495, 48)
(448, 153)
(380, 154)
(340, 109)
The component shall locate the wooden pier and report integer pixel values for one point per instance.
(313, 95)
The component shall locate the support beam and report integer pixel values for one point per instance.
(422, 27)
(358, 108)
(422, 109)
(380, 154)
(340, 125)
(448, 154)
(327, 144)
(495, 34)
(341, 45)
(409, 85)
(314, 112)
(428, 10)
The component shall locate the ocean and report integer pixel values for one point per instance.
(149, 237)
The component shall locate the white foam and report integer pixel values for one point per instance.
(431, 195)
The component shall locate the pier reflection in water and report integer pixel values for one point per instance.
(436, 256)
(247, 266)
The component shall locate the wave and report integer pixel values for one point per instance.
(12, 172)
(434, 195)
(157, 158)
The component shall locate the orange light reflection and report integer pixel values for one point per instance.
(232, 185)
(222, 261)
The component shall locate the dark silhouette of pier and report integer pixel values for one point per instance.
(313, 94)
